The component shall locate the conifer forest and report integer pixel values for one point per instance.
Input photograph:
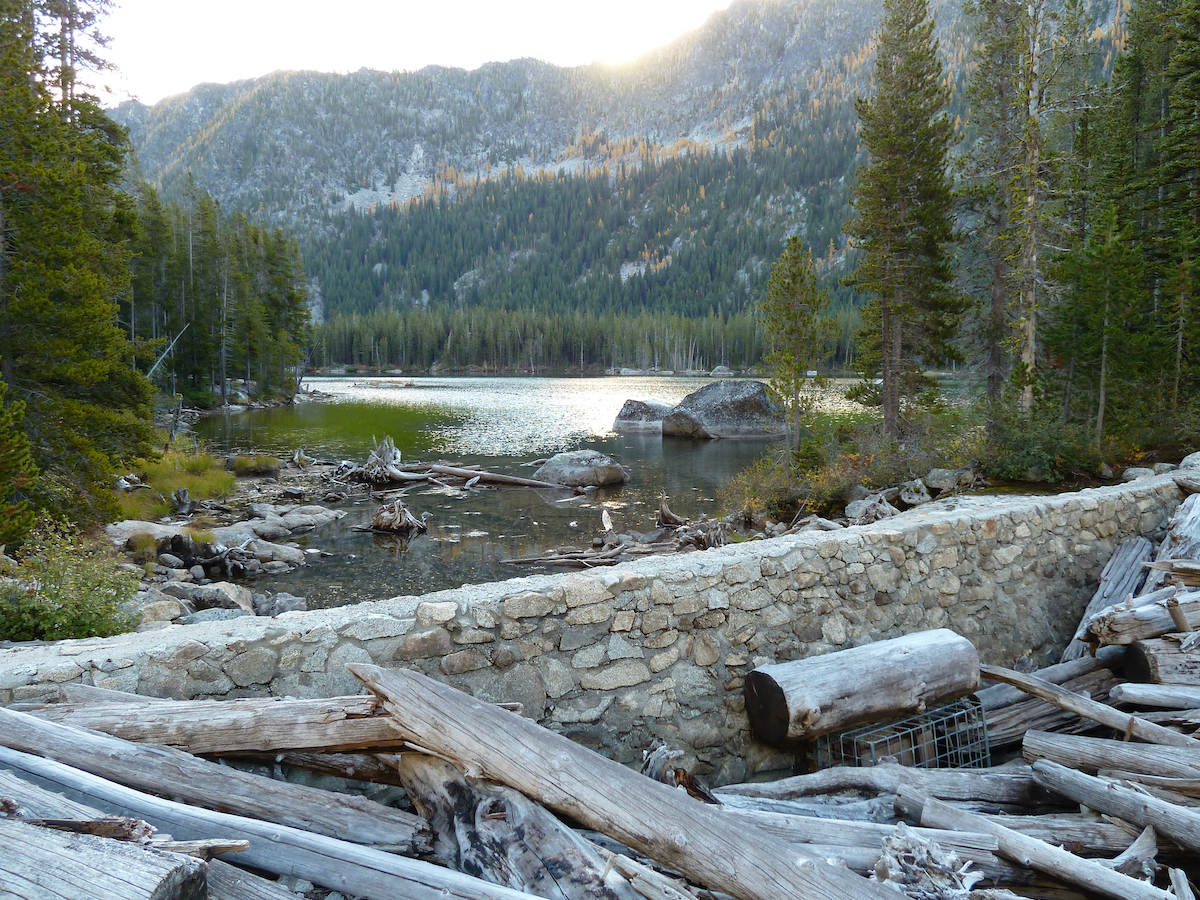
(1007, 187)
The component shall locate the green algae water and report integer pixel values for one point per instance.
(504, 425)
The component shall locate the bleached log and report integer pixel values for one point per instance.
(1163, 661)
(225, 882)
(376, 768)
(1092, 754)
(794, 701)
(996, 697)
(1181, 542)
(352, 869)
(1103, 795)
(498, 834)
(1163, 696)
(1188, 787)
(1120, 625)
(229, 726)
(497, 478)
(1090, 709)
(693, 838)
(1008, 725)
(886, 778)
(173, 773)
(1122, 576)
(45, 864)
(1046, 858)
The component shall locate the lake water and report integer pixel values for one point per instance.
(503, 425)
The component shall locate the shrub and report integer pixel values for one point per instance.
(1038, 447)
(63, 586)
(201, 473)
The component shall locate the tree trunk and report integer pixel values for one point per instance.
(693, 838)
(1091, 754)
(1163, 696)
(796, 701)
(1182, 540)
(1090, 709)
(173, 773)
(1162, 662)
(46, 864)
(278, 849)
(1120, 625)
(1122, 575)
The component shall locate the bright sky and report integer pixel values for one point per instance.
(164, 47)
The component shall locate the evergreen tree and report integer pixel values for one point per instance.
(17, 473)
(902, 204)
(796, 320)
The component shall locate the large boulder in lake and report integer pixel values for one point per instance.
(641, 415)
(726, 409)
(581, 468)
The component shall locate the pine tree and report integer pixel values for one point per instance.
(902, 204)
(797, 324)
(17, 473)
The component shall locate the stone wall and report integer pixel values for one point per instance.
(659, 647)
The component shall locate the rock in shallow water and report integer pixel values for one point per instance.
(641, 415)
(726, 409)
(581, 468)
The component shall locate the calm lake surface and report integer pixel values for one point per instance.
(503, 425)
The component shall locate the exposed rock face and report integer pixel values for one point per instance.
(721, 372)
(641, 415)
(726, 409)
(581, 468)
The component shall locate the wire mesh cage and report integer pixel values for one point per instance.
(952, 736)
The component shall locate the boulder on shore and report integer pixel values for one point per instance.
(726, 409)
(581, 468)
(641, 415)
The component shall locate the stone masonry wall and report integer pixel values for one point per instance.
(659, 647)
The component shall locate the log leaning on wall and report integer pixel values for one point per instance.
(796, 701)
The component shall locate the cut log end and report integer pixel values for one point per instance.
(767, 708)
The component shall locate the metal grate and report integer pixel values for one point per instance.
(953, 736)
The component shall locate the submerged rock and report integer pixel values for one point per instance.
(581, 468)
(641, 415)
(726, 409)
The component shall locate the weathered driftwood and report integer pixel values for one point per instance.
(1044, 857)
(1187, 787)
(998, 696)
(1091, 709)
(1121, 625)
(225, 882)
(841, 806)
(497, 834)
(173, 773)
(1082, 834)
(1121, 577)
(1163, 661)
(44, 864)
(1092, 754)
(70, 692)
(665, 824)
(279, 849)
(887, 778)
(1008, 725)
(1139, 859)
(1103, 795)
(496, 478)
(568, 556)
(1182, 540)
(666, 518)
(1164, 696)
(1181, 886)
(228, 726)
(396, 518)
(377, 768)
(795, 701)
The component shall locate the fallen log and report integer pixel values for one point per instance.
(1103, 795)
(1132, 726)
(497, 834)
(227, 726)
(1122, 576)
(1188, 787)
(886, 778)
(1163, 661)
(1090, 754)
(1121, 625)
(497, 478)
(376, 768)
(1181, 542)
(1164, 696)
(795, 701)
(173, 773)
(693, 838)
(1045, 858)
(279, 849)
(1008, 725)
(998, 696)
(44, 864)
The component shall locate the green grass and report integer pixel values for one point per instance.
(202, 474)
